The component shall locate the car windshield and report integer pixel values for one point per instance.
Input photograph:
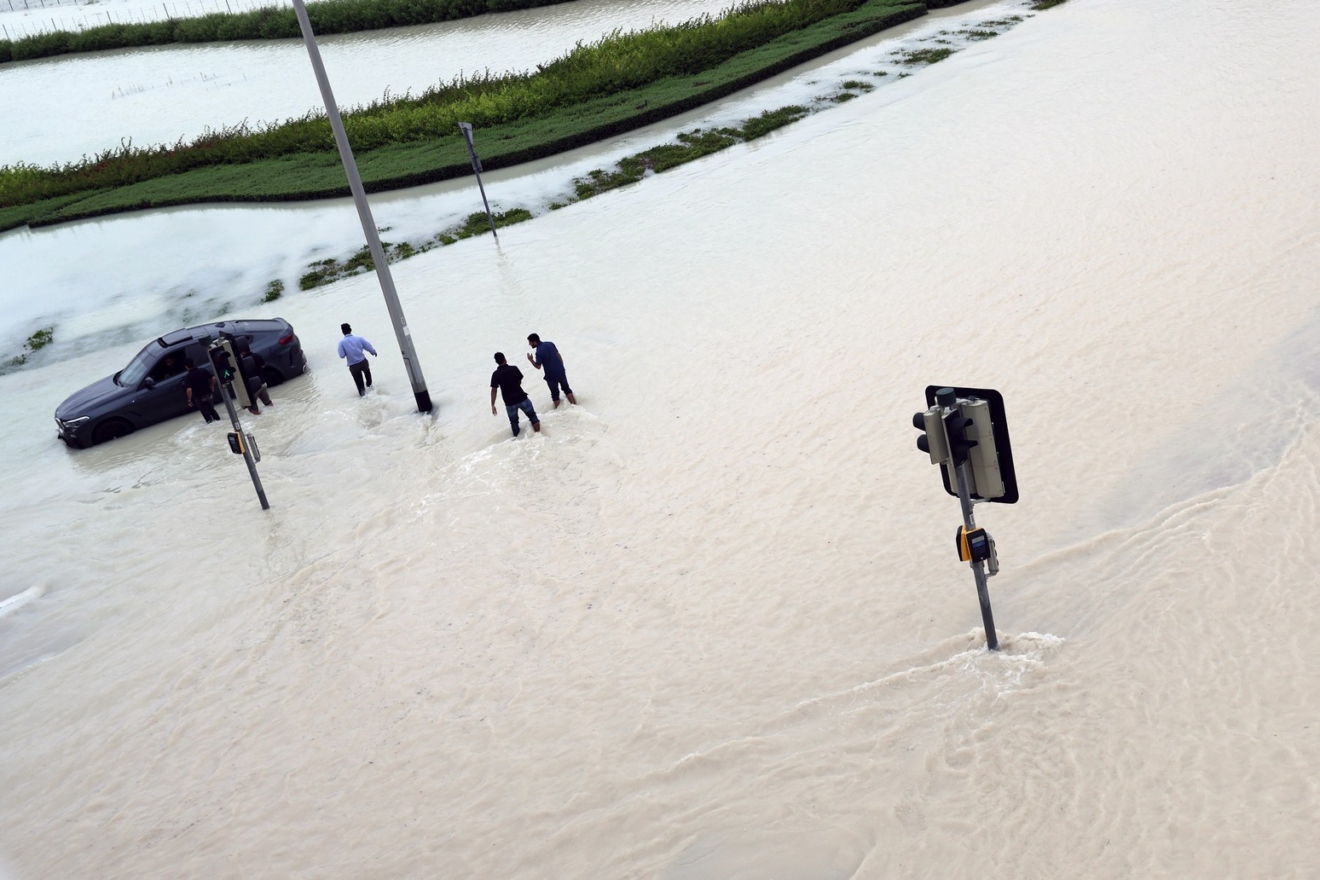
(137, 367)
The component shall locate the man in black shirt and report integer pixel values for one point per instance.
(509, 382)
(200, 388)
(253, 365)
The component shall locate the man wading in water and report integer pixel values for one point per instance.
(509, 381)
(548, 357)
(351, 348)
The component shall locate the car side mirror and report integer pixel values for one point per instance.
(148, 382)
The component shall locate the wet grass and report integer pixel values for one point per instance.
(274, 291)
(619, 83)
(267, 23)
(1042, 5)
(923, 56)
(326, 271)
(36, 342)
(688, 146)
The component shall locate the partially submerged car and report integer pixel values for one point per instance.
(150, 389)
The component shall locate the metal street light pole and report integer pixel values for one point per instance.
(401, 330)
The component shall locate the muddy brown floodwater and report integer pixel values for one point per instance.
(709, 623)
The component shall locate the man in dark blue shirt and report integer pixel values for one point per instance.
(509, 382)
(547, 357)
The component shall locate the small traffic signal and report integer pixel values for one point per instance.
(976, 432)
(933, 441)
(224, 357)
(955, 428)
(222, 362)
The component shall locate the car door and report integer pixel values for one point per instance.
(160, 395)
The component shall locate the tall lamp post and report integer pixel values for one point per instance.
(401, 330)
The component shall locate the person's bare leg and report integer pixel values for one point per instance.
(571, 399)
(556, 403)
(536, 426)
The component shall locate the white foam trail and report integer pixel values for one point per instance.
(15, 602)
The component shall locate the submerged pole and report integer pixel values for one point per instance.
(978, 566)
(401, 331)
(243, 441)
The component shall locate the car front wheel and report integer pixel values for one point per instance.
(111, 429)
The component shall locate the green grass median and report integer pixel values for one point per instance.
(624, 82)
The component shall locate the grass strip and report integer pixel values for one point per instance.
(443, 155)
(690, 146)
(36, 342)
(615, 63)
(267, 23)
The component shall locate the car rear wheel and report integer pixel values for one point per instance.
(110, 429)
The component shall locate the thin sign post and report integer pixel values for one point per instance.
(466, 128)
(401, 331)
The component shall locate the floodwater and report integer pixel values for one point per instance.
(709, 622)
(64, 108)
(208, 260)
(26, 18)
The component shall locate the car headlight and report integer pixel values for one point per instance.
(67, 424)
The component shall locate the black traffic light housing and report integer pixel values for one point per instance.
(955, 426)
(222, 363)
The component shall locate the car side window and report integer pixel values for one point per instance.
(169, 366)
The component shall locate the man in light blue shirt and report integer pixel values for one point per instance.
(351, 347)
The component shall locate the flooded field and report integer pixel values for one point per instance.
(709, 623)
(208, 260)
(159, 95)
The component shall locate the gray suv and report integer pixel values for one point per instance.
(150, 389)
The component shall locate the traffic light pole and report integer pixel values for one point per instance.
(247, 447)
(978, 566)
(401, 331)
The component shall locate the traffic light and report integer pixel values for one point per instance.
(933, 441)
(955, 429)
(224, 357)
(984, 454)
(969, 425)
(965, 432)
(222, 361)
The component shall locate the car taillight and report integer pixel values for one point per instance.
(286, 339)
